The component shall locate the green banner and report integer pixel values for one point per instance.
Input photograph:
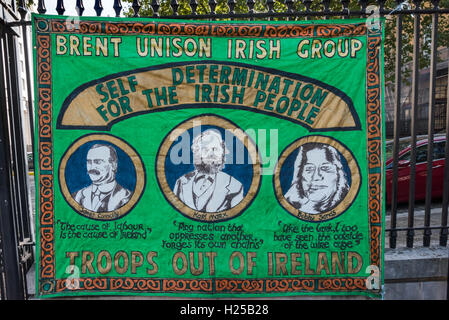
(208, 159)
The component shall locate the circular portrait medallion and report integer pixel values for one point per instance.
(101, 176)
(316, 178)
(208, 169)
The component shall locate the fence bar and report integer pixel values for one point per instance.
(3, 172)
(415, 96)
(345, 8)
(326, 4)
(11, 127)
(232, 3)
(306, 14)
(18, 176)
(251, 4)
(444, 213)
(98, 7)
(2, 273)
(155, 6)
(289, 4)
(7, 226)
(60, 7)
(41, 7)
(79, 7)
(23, 12)
(21, 176)
(194, 6)
(213, 5)
(136, 7)
(117, 7)
(397, 114)
(431, 128)
(307, 4)
(175, 5)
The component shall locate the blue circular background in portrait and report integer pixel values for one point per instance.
(76, 175)
(179, 160)
(288, 169)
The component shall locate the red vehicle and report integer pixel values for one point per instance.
(421, 171)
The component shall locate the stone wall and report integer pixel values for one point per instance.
(416, 274)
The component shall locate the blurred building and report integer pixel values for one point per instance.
(441, 91)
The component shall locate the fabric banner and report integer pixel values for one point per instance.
(208, 159)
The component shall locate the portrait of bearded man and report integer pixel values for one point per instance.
(208, 188)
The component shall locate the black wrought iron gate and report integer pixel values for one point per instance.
(406, 21)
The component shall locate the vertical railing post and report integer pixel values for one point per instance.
(13, 282)
(326, 4)
(136, 7)
(363, 4)
(413, 120)
(397, 113)
(41, 7)
(213, 6)
(345, 8)
(18, 174)
(13, 279)
(290, 9)
(444, 212)
(194, 6)
(23, 12)
(251, 4)
(155, 6)
(79, 7)
(98, 7)
(117, 7)
(307, 4)
(60, 7)
(431, 125)
(381, 7)
(175, 6)
(270, 6)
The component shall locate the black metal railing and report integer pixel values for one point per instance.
(404, 20)
(262, 9)
(16, 244)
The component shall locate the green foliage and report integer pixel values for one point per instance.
(260, 6)
(407, 37)
(27, 3)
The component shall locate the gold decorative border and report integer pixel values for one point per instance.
(214, 286)
(221, 122)
(176, 28)
(140, 177)
(374, 141)
(344, 204)
(44, 164)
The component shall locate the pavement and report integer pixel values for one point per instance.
(418, 222)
